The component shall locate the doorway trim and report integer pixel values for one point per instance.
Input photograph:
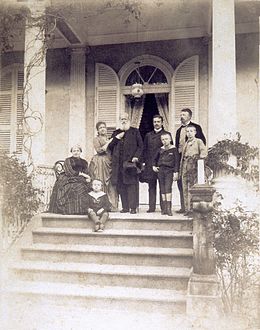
(152, 60)
(156, 61)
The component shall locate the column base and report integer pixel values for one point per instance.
(204, 300)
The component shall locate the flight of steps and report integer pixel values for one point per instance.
(139, 264)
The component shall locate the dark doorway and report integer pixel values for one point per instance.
(150, 109)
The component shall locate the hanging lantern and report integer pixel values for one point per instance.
(137, 90)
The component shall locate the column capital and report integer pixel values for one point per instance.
(79, 50)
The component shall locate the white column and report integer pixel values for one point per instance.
(224, 117)
(259, 106)
(34, 86)
(77, 116)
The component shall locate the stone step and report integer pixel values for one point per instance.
(115, 255)
(25, 316)
(102, 275)
(151, 221)
(105, 297)
(113, 237)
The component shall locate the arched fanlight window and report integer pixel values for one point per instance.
(146, 74)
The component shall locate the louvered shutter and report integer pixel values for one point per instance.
(185, 88)
(107, 96)
(11, 109)
(19, 113)
(5, 110)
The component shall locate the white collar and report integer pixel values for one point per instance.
(171, 146)
(157, 130)
(186, 124)
(96, 195)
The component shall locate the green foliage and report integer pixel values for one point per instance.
(220, 152)
(236, 243)
(20, 198)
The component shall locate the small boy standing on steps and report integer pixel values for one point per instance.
(166, 164)
(98, 205)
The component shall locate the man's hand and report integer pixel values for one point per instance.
(119, 136)
(156, 169)
(134, 160)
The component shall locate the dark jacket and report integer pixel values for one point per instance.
(132, 146)
(102, 202)
(199, 134)
(152, 142)
(167, 159)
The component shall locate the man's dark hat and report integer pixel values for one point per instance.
(135, 168)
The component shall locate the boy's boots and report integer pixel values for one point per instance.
(169, 208)
(104, 217)
(92, 215)
(164, 207)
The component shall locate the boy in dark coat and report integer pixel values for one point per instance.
(98, 205)
(166, 164)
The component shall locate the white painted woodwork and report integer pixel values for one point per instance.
(77, 114)
(223, 118)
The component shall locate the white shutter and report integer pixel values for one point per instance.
(19, 112)
(186, 88)
(5, 111)
(11, 109)
(107, 96)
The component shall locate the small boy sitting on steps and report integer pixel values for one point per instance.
(98, 205)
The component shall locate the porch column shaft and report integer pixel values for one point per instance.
(34, 86)
(77, 116)
(259, 105)
(224, 117)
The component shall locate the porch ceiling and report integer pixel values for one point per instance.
(96, 23)
(99, 22)
(109, 22)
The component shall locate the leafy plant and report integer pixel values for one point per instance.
(236, 242)
(220, 153)
(20, 200)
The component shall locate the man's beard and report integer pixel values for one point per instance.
(124, 127)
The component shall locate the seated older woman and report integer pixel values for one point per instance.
(70, 192)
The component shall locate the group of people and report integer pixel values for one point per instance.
(124, 159)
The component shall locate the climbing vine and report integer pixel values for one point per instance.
(13, 20)
(219, 154)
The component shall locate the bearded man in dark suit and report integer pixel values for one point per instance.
(126, 148)
(152, 143)
(180, 140)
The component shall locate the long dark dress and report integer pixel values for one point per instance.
(70, 191)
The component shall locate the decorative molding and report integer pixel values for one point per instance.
(124, 38)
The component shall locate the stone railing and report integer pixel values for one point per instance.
(203, 290)
(44, 179)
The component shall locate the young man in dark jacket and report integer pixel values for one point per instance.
(152, 142)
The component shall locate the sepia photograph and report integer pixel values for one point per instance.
(129, 164)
